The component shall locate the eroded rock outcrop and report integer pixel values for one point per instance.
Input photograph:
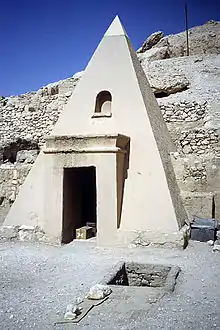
(203, 39)
(151, 41)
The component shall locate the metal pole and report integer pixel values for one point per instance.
(187, 31)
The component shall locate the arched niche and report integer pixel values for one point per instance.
(103, 104)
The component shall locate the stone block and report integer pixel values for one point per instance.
(84, 232)
(199, 204)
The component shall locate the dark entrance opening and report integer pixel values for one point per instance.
(79, 200)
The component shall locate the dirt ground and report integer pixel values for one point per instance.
(37, 282)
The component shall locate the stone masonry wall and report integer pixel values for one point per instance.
(184, 111)
(30, 116)
(198, 141)
(33, 115)
(11, 178)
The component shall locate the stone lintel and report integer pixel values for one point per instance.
(89, 150)
(105, 143)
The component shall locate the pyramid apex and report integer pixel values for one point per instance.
(116, 28)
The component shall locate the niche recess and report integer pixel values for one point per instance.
(103, 105)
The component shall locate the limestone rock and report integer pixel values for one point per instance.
(164, 77)
(202, 39)
(216, 247)
(187, 149)
(152, 40)
(75, 309)
(8, 232)
(25, 235)
(98, 291)
(154, 54)
(70, 316)
(169, 84)
(27, 156)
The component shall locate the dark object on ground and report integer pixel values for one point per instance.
(93, 225)
(203, 230)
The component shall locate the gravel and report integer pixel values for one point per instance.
(38, 282)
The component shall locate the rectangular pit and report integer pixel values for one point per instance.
(144, 275)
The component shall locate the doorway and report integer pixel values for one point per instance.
(79, 200)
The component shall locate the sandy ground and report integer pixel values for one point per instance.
(37, 282)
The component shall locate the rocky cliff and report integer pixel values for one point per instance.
(188, 93)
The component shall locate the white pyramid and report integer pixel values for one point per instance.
(113, 123)
(116, 29)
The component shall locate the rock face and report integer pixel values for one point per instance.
(26, 156)
(151, 41)
(202, 40)
(187, 91)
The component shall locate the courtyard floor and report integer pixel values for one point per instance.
(37, 282)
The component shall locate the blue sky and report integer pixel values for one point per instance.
(43, 41)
